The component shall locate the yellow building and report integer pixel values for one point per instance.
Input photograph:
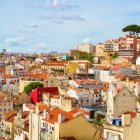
(69, 103)
(100, 50)
(21, 126)
(7, 125)
(76, 127)
(61, 125)
(76, 66)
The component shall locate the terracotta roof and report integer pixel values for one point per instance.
(26, 128)
(82, 111)
(121, 76)
(132, 113)
(68, 98)
(42, 107)
(30, 106)
(78, 81)
(42, 76)
(26, 137)
(53, 95)
(54, 115)
(117, 67)
(102, 67)
(25, 114)
(2, 68)
(4, 99)
(10, 115)
(8, 76)
(54, 64)
(2, 138)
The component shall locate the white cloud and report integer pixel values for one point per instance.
(17, 41)
(87, 40)
(62, 17)
(65, 4)
(42, 47)
(27, 31)
(32, 25)
(59, 2)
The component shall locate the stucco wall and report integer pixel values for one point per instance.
(79, 128)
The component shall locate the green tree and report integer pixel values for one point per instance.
(84, 56)
(115, 55)
(32, 86)
(132, 29)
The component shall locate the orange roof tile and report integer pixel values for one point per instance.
(10, 115)
(42, 107)
(121, 76)
(54, 115)
(132, 113)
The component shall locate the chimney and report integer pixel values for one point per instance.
(127, 79)
(61, 118)
(37, 109)
(112, 87)
(44, 114)
(126, 119)
(47, 115)
(24, 107)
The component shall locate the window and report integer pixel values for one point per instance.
(2, 123)
(43, 124)
(108, 135)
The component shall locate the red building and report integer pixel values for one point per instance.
(36, 94)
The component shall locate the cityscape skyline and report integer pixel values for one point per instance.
(48, 25)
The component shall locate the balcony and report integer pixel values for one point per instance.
(114, 127)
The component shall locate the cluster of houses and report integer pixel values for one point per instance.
(79, 100)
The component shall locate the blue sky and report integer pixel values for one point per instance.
(58, 25)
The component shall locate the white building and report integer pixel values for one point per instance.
(86, 47)
(124, 128)
(85, 97)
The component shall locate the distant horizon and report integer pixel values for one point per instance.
(35, 26)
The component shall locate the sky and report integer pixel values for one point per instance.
(30, 26)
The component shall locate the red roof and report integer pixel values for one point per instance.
(36, 95)
(10, 115)
(132, 113)
(53, 113)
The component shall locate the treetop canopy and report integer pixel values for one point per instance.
(132, 29)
